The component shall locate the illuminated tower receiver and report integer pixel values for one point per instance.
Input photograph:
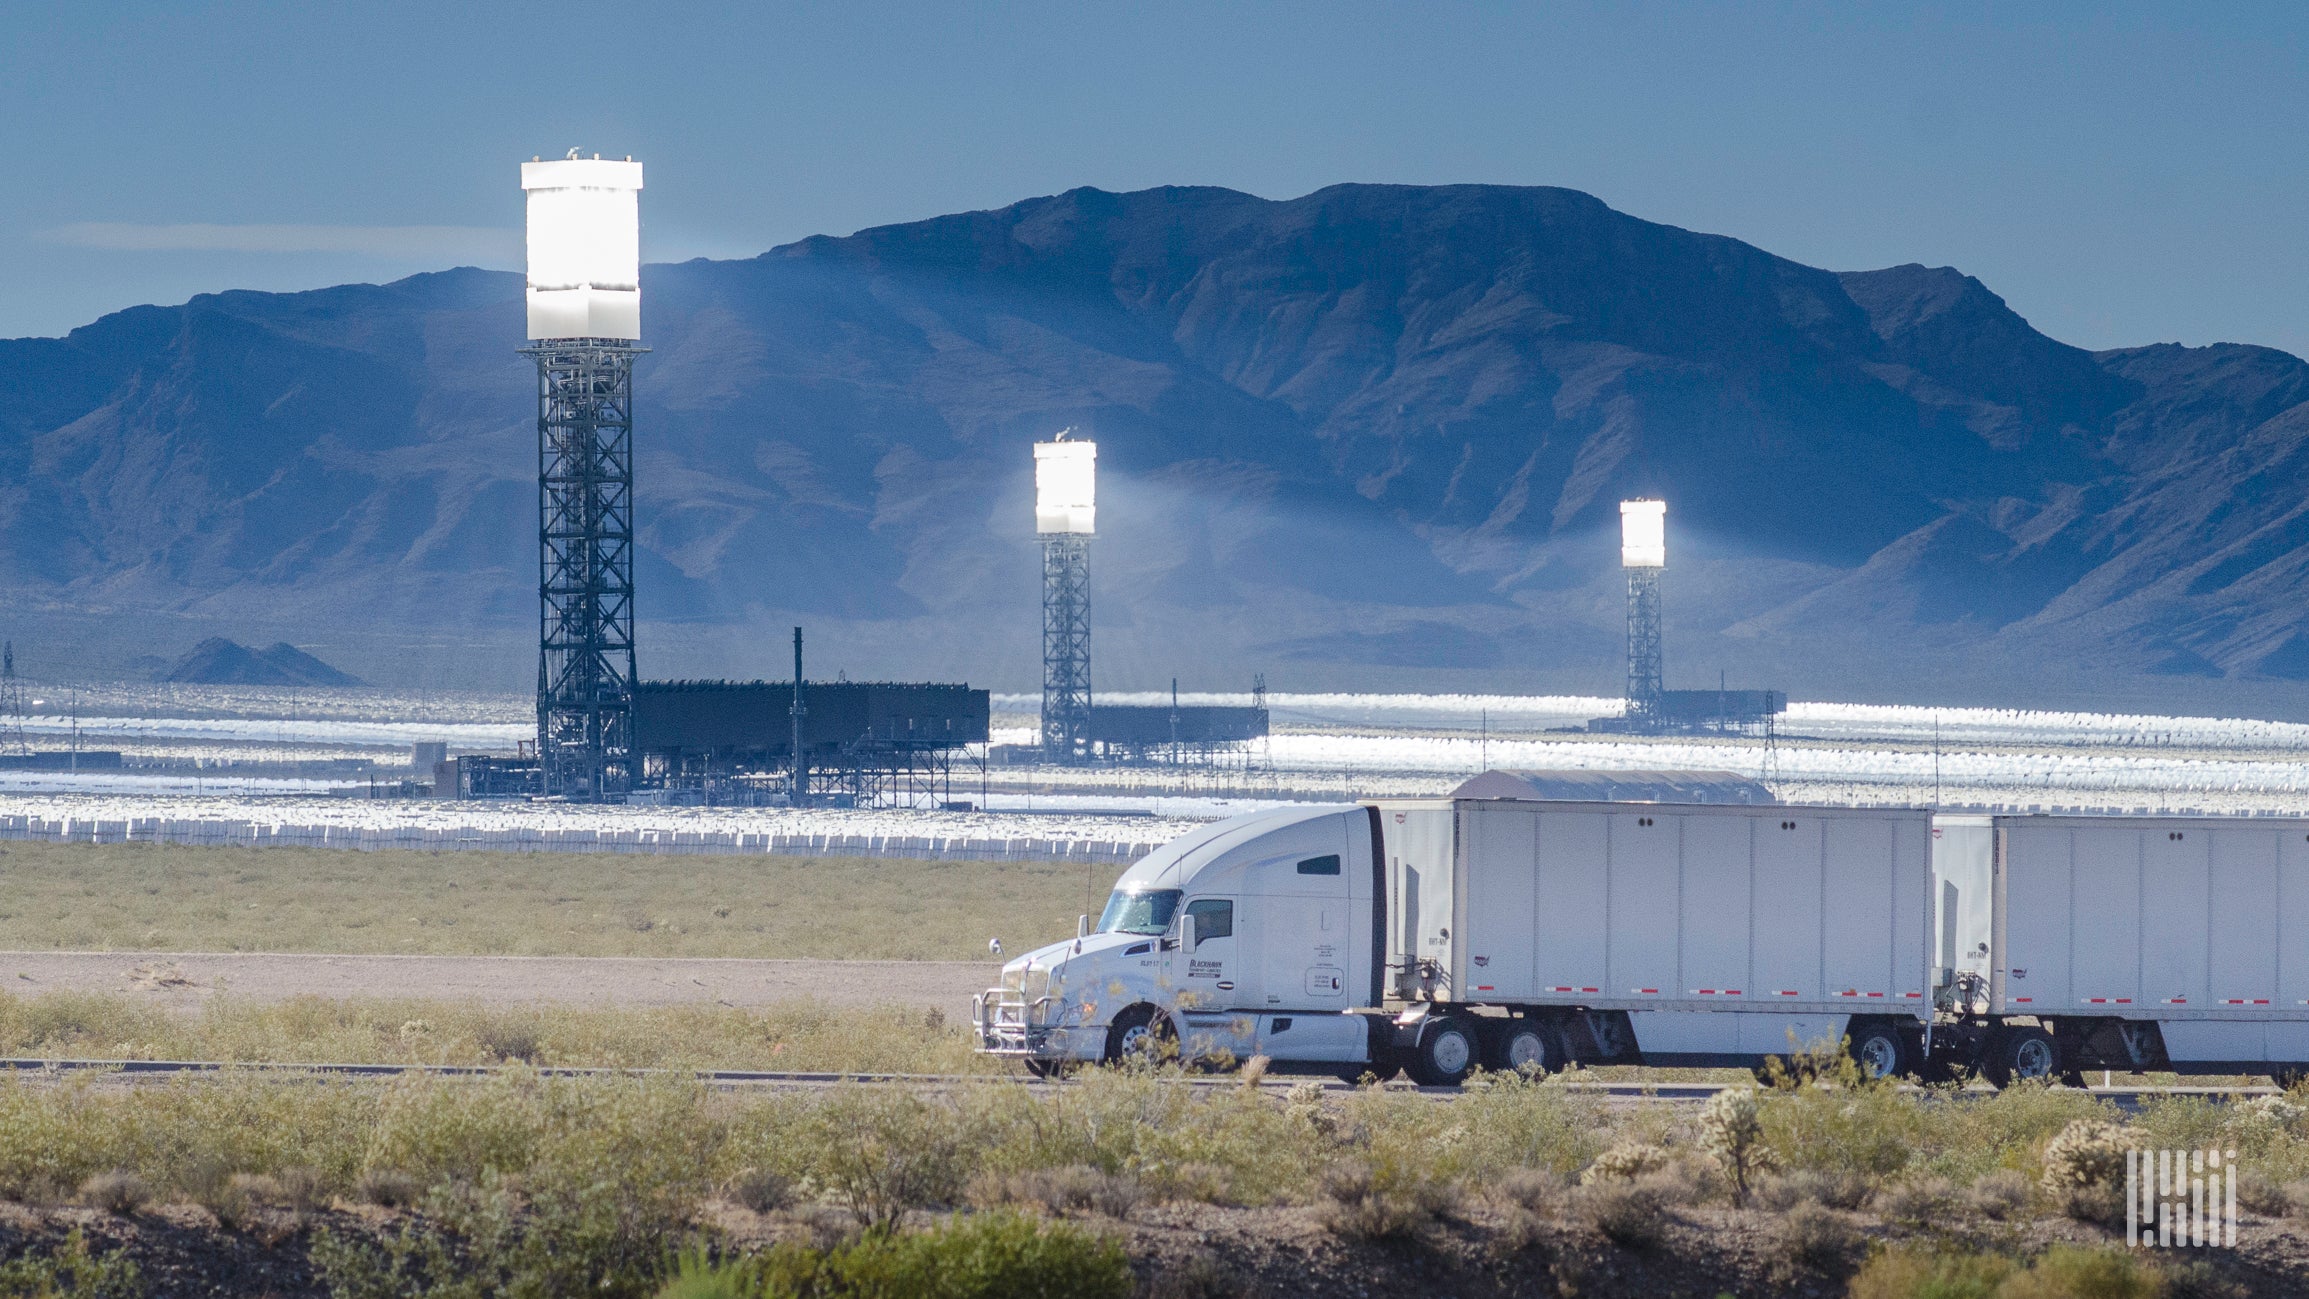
(1643, 553)
(1065, 515)
(584, 303)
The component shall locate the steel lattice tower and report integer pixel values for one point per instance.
(1643, 553)
(1066, 646)
(1643, 642)
(585, 662)
(11, 704)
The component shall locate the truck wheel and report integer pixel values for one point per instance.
(1141, 1033)
(2020, 1055)
(1880, 1050)
(1446, 1054)
(1524, 1046)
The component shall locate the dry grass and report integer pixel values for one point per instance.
(159, 897)
(797, 1036)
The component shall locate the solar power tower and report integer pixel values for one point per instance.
(1065, 515)
(1643, 553)
(584, 304)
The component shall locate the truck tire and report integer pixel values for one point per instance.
(1447, 1052)
(1142, 1032)
(1881, 1050)
(2020, 1055)
(1524, 1045)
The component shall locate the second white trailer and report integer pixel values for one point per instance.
(2150, 943)
(1713, 934)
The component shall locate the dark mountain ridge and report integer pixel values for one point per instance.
(1374, 437)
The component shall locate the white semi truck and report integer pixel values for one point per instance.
(1434, 936)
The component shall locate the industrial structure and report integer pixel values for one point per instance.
(1652, 708)
(584, 327)
(1176, 734)
(12, 741)
(1643, 553)
(1065, 518)
(859, 743)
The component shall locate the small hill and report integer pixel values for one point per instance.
(220, 662)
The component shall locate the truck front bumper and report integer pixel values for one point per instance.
(1008, 1026)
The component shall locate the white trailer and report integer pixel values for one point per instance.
(2140, 943)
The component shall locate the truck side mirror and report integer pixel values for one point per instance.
(1187, 932)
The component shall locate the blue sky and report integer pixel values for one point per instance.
(2121, 174)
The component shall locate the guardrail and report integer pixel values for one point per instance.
(273, 834)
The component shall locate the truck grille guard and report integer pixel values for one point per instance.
(1009, 1024)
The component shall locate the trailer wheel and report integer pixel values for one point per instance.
(1142, 1033)
(2021, 1055)
(1881, 1050)
(1446, 1054)
(1526, 1046)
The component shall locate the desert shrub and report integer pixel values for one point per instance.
(988, 1256)
(1926, 1200)
(1533, 1190)
(387, 1188)
(1836, 1190)
(882, 1151)
(1969, 1135)
(71, 1271)
(2002, 1195)
(1914, 1273)
(2084, 1169)
(1732, 1134)
(118, 1192)
(1628, 1213)
(2070, 1272)
(214, 1186)
(1514, 1121)
(1360, 1201)
(302, 1189)
(2259, 1194)
(1075, 1189)
(1867, 1128)
(1626, 1162)
(763, 1190)
(1812, 1237)
(490, 1239)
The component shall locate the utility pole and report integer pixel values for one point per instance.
(799, 794)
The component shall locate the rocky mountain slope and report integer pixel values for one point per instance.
(1374, 437)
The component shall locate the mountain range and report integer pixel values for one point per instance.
(1371, 438)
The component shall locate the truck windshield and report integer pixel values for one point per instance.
(1139, 913)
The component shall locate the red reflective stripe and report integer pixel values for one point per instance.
(1485, 987)
(1911, 994)
(1790, 992)
(2033, 999)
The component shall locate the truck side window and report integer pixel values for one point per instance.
(1214, 918)
(1320, 865)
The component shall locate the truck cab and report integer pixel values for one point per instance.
(1247, 937)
